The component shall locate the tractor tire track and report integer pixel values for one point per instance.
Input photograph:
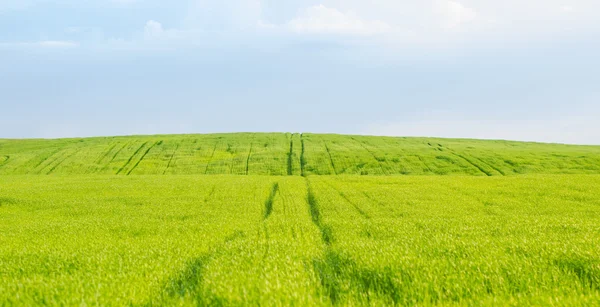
(356, 207)
(268, 210)
(473, 164)
(427, 166)
(60, 158)
(337, 271)
(270, 200)
(190, 280)
(45, 158)
(61, 162)
(330, 158)
(171, 159)
(4, 160)
(249, 154)
(290, 165)
(51, 160)
(211, 157)
(131, 158)
(118, 152)
(376, 201)
(105, 167)
(267, 245)
(321, 266)
(143, 156)
(315, 214)
(302, 158)
(106, 154)
(210, 195)
(383, 171)
(492, 166)
(232, 153)
(340, 275)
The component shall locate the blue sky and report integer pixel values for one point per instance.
(521, 70)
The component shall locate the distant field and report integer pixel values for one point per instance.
(330, 240)
(292, 154)
(315, 219)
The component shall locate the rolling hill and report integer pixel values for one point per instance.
(276, 219)
(292, 154)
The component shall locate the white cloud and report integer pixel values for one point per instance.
(156, 34)
(57, 44)
(153, 29)
(454, 14)
(223, 15)
(392, 24)
(567, 8)
(321, 19)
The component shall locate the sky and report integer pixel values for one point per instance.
(510, 69)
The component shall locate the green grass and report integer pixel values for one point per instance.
(345, 240)
(290, 219)
(292, 154)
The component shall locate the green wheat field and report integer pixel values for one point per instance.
(277, 219)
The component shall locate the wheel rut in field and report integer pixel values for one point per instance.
(211, 157)
(586, 270)
(290, 156)
(189, 282)
(383, 171)
(7, 201)
(341, 277)
(143, 156)
(171, 159)
(389, 208)
(118, 152)
(56, 158)
(492, 166)
(267, 211)
(302, 157)
(46, 157)
(487, 173)
(131, 158)
(114, 157)
(330, 158)
(4, 160)
(270, 200)
(210, 194)
(354, 205)
(315, 213)
(106, 153)
(65, 158)
(190, 278)
(248, 158)
(426, 165)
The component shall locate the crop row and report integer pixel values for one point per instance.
(291, 240)
(292, 154)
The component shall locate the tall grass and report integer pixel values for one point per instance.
(291, 240)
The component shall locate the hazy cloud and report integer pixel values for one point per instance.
(581, 129)
(41, 44)
(454, 14)
(321, 19)
(215, 15)
(153, 29)
(394, 22)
